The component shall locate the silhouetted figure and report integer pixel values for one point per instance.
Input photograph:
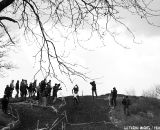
(5, 102)
(8, 91)
(49, 88)
(56, 88)
(114, 97)
(17, 89)
(94, 90)
(23, 88)
(75, 90)
(126, 103)
(12, 87)
(30, 87)
(34, 87)
(42, 85)
(38, 91)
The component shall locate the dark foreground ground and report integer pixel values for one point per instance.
(88, 115)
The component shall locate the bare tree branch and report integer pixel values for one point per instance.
(5, 3)
(42, 20)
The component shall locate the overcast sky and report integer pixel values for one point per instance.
(137, 68)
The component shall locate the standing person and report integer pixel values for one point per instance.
(17, 88)
(56, 88)
(25, 88)
(22, 88)
(30, 87)
(42, 85)
(7, 91)
(75, 94)
(34, 87)
(126, 103)
(94, 90)
(114, 97)
(5, 102)
(49, 88)
(12, 87)
(38, 91)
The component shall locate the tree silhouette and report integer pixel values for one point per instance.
(41, 18)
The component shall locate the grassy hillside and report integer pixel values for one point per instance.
(143, 111)
(89, 114)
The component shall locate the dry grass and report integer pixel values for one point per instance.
(143, 111)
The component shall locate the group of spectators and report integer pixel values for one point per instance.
(23, 89)
(43, 90)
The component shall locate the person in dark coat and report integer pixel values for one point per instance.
(126, 103)
(17, 88)
(94, 90)
(114, 97)
(7, 91)
(30, 89)
(56, 88)
(12, 87)
(5, 102)
(49, 88)
(34, 87)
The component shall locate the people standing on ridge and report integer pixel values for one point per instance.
(34, 87)
(43, 97)
(56, 88)
(5, 102)
(22, 88)
(75, 94)
(49, 88)
(17, 88)
(94, 90)
(12, 87)
(114, 97)
(8, 91)
(30, 89)
(25, 88)
(126, 103)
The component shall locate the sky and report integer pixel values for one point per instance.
(130, 70)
